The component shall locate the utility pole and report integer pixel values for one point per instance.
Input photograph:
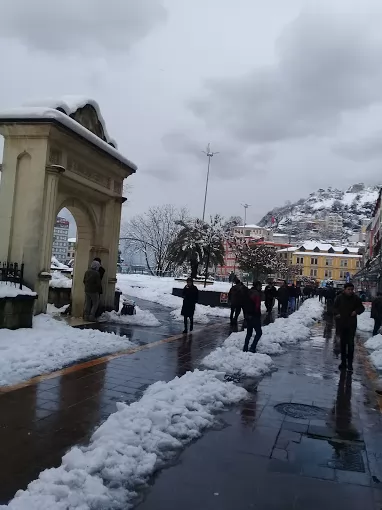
(209, 155)
(245, 212)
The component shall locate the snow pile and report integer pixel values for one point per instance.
(365, 322)
(60, 281)
(56, 264)
(51, 345)
(9, 290)
(159, 290)
(231, 358)
(375, 344)
(233, 361)
(131, 445)
(141, 318)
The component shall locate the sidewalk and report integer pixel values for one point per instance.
(279, 452)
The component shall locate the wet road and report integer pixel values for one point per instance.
(257, 457)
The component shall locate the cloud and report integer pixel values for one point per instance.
(231, 161)
(365, 149)
(325, 65)
(80, 26)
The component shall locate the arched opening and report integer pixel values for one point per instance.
(74, 239)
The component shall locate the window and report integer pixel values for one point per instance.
(313, 261)
(330, 250)
(344, 263)
(329, 262)
(343, 274)
(300, 260)
(358, 264)
(313, 272)
(328, 274)
(247, 233)
(316, 249)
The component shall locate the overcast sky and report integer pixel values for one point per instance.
(288, 91)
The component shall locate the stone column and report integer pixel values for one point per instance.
(52, 177)
(113, 250)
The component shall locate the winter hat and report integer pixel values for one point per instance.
(95, 265)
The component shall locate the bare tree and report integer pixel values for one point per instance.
(152, 233)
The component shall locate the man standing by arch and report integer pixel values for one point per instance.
(93, 290)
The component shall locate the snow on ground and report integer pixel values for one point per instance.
(199, 317)
(50, 345)
(375, 344)
(9, 290)
(131, 445)
(159, 290)
(141, 318)
(60, 281)
(231, 359)
(365, 322)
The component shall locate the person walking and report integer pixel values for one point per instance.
(93, 289)
(235, 297)
(253, 316)
(376, 313)
(270, 294)
(283, 296)
(346, 308)
(292, 298)
(190, 298)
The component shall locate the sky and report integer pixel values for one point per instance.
(288, 92)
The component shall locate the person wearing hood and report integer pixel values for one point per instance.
(346, 308)
(376, 313)
(93, 289)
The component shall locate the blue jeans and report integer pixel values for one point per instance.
(292, 304)
(253, 323)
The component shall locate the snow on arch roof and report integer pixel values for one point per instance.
(62, 111)
(70, 104)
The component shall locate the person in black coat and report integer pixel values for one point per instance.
(283, 297)
(190, 298)
(346, 308)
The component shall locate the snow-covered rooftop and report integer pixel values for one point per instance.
(47, 110)
(250, 226)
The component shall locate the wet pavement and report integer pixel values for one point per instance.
(307, 437)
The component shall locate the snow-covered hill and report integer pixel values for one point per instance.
(325, 213)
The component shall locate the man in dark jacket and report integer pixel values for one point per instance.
(93, 289)
(346, 308)
(376, 313)
(283, 297)
(252, 308)
(270, 294)
(190, 298)
(236, 297)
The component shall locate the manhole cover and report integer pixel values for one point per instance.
(301, 411)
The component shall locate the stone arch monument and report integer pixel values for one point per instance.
(58, 154)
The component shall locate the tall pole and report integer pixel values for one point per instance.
(245, 212)
(209, 154)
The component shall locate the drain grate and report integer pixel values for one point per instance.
(301, 411)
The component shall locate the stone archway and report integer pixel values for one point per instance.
(52, 161)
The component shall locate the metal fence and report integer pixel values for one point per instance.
(12, 273)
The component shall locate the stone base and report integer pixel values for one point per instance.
(59, 297)
(16, 312)
(200, 281)
(208, 298)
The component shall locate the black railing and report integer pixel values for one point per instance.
(12, 273)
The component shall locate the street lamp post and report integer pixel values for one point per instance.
(245, 212)
(209, 154)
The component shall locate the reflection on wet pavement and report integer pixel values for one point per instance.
(260, 454)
